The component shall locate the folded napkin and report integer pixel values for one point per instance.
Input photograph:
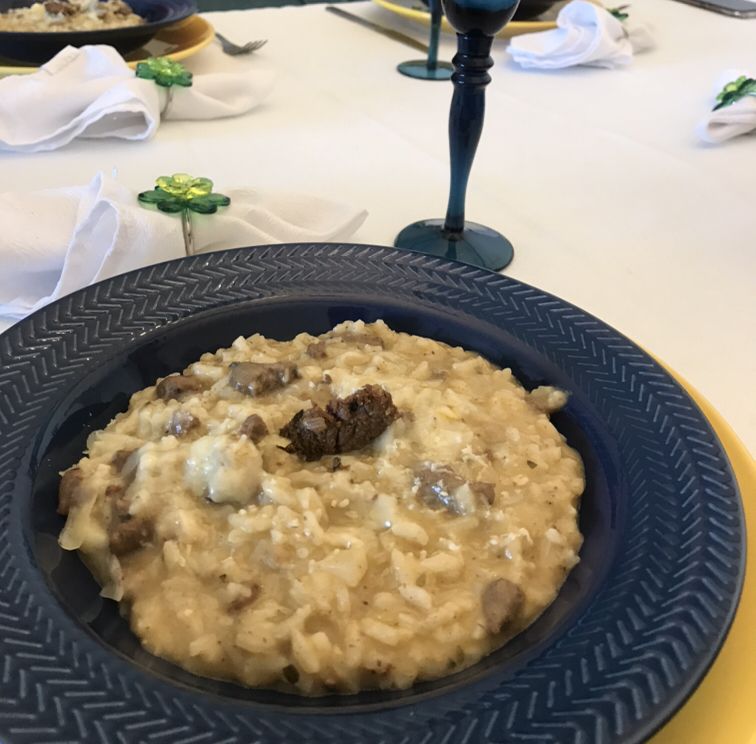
(56, 241)
(92, 92)
(586, 34)
(738, 117)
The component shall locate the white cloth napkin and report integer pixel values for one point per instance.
(56, 241)
(92, 92)
(729, 121)
(586, 34)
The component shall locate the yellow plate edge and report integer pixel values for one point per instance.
(202, 34)
(515, 28)
(722, 710)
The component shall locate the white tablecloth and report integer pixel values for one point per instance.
(595, 175)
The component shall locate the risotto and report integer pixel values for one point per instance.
(359, 510)
(70, 15)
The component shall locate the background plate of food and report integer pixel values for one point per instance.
(636, 622)
(35, 32)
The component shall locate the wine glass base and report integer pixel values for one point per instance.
(478, 245)
(418, 68)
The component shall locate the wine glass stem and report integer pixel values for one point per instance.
(471, 64)
(435, 29)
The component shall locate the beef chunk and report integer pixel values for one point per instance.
(119, 458)
(255, 378)
(501, 601)
(175, 385)
(344, 425)
(313, 433)
(70, 490)
(128, 534)
(254, 428)
(436, 487)
(119, 502)
(290, 674)
(241, 602)
(181, 423)
(484, 491)
(317, 349)
(334, 465)
(60, 7)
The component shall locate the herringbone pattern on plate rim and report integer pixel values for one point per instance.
(648, 636)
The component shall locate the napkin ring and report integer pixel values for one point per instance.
(165, 73)
(183, 194)
(734, 91)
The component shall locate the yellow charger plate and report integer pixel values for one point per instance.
(722, 710)
(515, 28)
(178, 41)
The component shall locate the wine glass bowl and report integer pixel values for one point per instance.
(529, 9)
(476, 23)
(479, 16)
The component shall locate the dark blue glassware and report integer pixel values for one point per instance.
(431, 68)
(476, 23)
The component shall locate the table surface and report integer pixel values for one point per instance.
(595, 175)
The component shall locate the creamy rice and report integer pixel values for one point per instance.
(408, 558)
(70, 15)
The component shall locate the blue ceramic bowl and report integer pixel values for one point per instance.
(39, 47)
(633, 630)
(527, 10)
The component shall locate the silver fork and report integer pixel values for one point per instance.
(235, 49)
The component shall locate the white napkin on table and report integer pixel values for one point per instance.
(92, 92)
(586, 34)
(729, 121)
(59, 240)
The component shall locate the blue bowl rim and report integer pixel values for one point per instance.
(461, 275)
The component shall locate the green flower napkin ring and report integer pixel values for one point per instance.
(619, 12)
(734, 91)
(183, 194)
(166, 73)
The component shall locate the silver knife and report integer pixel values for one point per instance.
(395, 35)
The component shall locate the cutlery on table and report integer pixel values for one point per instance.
(236, 49)
(390, 32)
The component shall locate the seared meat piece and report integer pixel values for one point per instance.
(60, 7)
(346, 424)
(181, 423)
(241, 602)
(436, 487)
(119, 458)
(316, 350)
(119, 502)
(501, 601)
(255, 378)
(126, 535)
(175, 385)
(254, 428)
(70, 491)
(484, 491)
(126, 532)
(313, 433)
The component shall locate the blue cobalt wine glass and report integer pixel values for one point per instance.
(431, 68)
(476, 23)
